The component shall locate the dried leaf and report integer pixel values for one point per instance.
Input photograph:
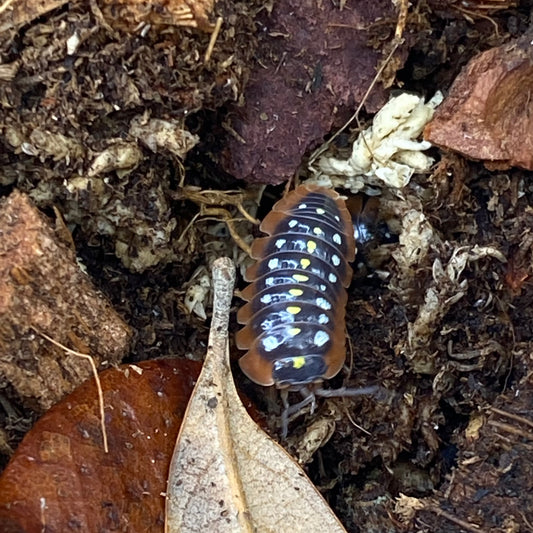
(227, 474)
(387, 153)
(128, 15)
(407, 506)
(16, 13)
(160, 134)
(121, 156)
(60, 479)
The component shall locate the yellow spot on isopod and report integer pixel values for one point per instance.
(298, 362)
(300, 278)
(293, 309)
(311, 246)
(304, 263)
(320, 211)
(296, 292)
(294, 331)
(318, 231)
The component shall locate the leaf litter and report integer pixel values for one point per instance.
(61, 475)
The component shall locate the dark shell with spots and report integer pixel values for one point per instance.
(294, 319)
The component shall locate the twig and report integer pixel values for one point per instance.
(512, 416)
(5, 5)
(402, 20)
(511, 429)
(360, 428)
(96, 379)
(452, 518)
(223, 215)
(213, 39)
(467, 12)
(187, 228)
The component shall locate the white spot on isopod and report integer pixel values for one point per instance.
(321, 337)
(271, 343)
(273, 263)
(323, 303)
(323, 319)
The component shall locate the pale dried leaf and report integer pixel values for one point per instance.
(387, 153)
(407, 506)
(121, 156)
(198, 292)
(158, 134)
(226, 474)
(477, 421)
(316, 435)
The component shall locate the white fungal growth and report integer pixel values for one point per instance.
(388, 152)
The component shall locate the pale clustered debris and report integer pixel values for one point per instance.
(387, 153)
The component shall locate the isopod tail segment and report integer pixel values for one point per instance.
(295, 316)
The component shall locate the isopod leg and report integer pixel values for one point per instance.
(288, 410)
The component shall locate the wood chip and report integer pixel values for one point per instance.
(43, 290)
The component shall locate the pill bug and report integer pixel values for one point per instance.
(294, 318)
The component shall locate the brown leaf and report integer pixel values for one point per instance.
(60, 479)
(488, 114)
(226, 473)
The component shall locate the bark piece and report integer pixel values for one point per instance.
(313, 60)
(488, 114)
(43, 289)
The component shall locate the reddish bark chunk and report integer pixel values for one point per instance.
(314, 60)
(43, 290)
(488, 114)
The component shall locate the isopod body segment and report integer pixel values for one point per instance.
(294, 318)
